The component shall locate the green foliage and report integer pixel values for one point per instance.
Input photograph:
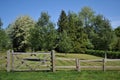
(19, 32)
(116, 43)
(5, 42)
(117, 31)
(1, 23)
(44, 35)
(76, 32)
(110, 54)
(104, 33)
(62, 22)
(76, 40)
(87, 16)
(34, 38)
(64, 44)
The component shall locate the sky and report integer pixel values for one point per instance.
(11, 9)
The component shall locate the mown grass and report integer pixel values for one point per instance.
(61, 75)
(79, 56)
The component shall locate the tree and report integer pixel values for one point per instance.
(62, 22)
(4, 39)
(46, 32)
(117, 31)
(34, 39)
(76, 33)
(64, 44)
(1, 23)
(104, 33)
(116, 43)
(19, 32)
(87, 16)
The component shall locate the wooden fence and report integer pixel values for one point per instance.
(17, 61)
(78, 65)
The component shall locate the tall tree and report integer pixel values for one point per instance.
(4, 39)
(117, 31)
(64, 44)
(46, 31)
(104, 33)
(87, 15)
(62, 22)
(116, 45)
(76, 33)
(19, 32)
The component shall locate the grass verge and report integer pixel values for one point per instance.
(61, 75)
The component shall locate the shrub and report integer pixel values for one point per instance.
(110, 54)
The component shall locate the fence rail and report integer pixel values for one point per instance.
(78, 62)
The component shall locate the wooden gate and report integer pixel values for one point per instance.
(18, 61)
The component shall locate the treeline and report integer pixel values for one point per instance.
(74, 32)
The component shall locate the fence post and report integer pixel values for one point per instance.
(104, 60)
(53, 60)
(12, 60)
(8, 61)
(77, 65)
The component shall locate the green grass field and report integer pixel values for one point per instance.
(65, 74)
(61, 75)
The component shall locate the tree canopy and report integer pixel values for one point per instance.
(73, 32)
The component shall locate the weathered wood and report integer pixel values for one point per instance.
(8, 61)
(113, 59)
(95, 60)
(12, 58)
(77, 65)
(104, 60)
(66, 59)
(113, 67)
(73, 67)
(24, 61)
(99, 60)
(32, 70)
(53, 61)
(91, 66)
(19, 53)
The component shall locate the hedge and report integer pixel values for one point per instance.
(110, 54)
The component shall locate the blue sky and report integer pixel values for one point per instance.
(11, 9)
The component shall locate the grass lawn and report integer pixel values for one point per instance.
(61, 75)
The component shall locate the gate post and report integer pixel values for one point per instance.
(52, 61)
(12, 59)
(8, 61)
(77, 65)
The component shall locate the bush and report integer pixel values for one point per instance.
(110, 54)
